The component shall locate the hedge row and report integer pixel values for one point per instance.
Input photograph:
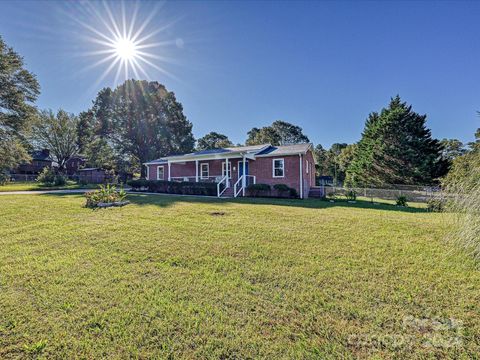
(174, 187)
(265, 190)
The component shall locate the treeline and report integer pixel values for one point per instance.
(139, 121)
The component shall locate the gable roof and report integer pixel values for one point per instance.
(293, 149)
(263, 150)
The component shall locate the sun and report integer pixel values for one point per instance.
(123, 44)
(125, 49)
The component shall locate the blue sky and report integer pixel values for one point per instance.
(236, 65)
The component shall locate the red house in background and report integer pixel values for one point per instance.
(238, 167)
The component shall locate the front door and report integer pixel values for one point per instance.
(240, 168)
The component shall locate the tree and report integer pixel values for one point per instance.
(279, 133)
(396, 148)
(18, 91)
(100, 154)
(57, 133)
(320, 155)
(85, 130)
(452, 148)
(213, 140)
(142, 121)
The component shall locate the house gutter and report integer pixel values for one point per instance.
(301, 176)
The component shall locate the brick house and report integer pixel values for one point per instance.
(40, 160)
(292, 165)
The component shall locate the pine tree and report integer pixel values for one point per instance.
(396, 148)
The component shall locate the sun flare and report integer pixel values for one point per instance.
(123, 44)
(126, 49)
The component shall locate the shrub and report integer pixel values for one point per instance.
(402, 200)
(259, 189)
(351, 195)
(59, 180)
(46, 176)
(105, 194)
(436, 204)
(4, 178)
(332, 196)
(175, 187)
(281, 187)
(138, 184)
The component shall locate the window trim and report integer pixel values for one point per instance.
(283, 167)
(201, 170)
(229, 172)
(163, 174)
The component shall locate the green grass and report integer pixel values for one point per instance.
(179, 277)
(32, 186)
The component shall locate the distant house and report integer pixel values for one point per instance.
(325, 180)
(237, 167)
(74, 164)
(40, 160)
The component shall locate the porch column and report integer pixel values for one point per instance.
(226, 171)
(196, 170)
(169, 171)
(244, 179)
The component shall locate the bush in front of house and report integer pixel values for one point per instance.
(174, 187)
(48, 177)
(105, 196)
(265, 190)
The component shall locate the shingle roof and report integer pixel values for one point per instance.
(284, 150)
(260, 150)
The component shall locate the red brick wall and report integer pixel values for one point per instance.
(262, 168)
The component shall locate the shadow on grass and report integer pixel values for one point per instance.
(166, 200)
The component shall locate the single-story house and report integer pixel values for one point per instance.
(237, 167)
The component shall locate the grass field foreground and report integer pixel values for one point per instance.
(184, 277)
(35, 186)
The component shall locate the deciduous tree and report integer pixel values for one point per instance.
(142, 121)
(279, 133)
(213, 140)
(57, 133)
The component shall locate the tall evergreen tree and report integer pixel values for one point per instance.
(18, 91)
(396, 148)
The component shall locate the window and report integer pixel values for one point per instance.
(278, 168)
(229, 170)
(160, 173)
(204, 171)
(307, 166)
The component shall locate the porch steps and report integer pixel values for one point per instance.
(228, 193)
(315, 192)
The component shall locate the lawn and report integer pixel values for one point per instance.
(31, 186)
(180, 277)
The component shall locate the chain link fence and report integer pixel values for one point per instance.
(389, 192)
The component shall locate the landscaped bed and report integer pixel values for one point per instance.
(185, 277)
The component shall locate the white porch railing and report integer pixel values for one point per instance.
(194, 178)
(225, 181)
(249, 179)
